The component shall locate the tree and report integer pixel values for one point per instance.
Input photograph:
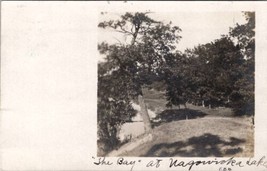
(224, 67)
(245, 35)
(219, 73)
(136, 63)
(177, 80)
(206, 73)
(113, 107)
(222, 72)
(243, 95)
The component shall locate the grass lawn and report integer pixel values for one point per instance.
(192, 132)
(203, 137)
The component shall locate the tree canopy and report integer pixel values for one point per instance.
(130, 66)
(218, 73)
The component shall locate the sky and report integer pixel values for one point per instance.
(197, 27)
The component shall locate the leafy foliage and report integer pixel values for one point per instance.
(114, 106)
(243, 94)
(219, 73)
(129, 66)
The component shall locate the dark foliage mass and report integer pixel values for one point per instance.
(219, 73)
(128, 68)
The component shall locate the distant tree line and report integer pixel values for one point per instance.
(219, 73)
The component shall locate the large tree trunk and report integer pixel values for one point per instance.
(141, 101)
(144, 113)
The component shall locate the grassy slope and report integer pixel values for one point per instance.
(199, 138)
(215, 133)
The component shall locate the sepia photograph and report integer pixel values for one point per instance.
(133, 85)
(176, 84)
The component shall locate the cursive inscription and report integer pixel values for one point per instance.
(223, 164)
(261, 162)
(123, 161)
(231, 162)
(102, 161)
(154, 163)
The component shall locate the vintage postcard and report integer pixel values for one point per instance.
(133, 85)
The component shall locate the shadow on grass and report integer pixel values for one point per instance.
(203, 146)
(170, 115)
